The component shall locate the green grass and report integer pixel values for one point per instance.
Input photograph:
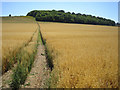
(49, 58)
(40, 35)
(24, 66)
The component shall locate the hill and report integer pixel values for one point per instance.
(67, 17)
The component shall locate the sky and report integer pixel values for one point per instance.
(107, 10)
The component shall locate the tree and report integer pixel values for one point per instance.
(9, 15)
(73, 13)
(118, 24)
(62, 16)
(61, 11)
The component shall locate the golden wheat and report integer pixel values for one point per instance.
(84, 56)
(14, 36)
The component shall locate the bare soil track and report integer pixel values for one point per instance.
(39, 73)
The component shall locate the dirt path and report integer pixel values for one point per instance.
(6, 77)
(39, 74)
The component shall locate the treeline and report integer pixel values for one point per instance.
(67, 17)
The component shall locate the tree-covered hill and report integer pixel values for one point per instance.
(67, 17)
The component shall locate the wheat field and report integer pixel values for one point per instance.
(14, 37)
(84, 56)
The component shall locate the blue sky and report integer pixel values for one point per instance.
(107, 10)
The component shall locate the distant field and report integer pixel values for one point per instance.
(16, 33)
(84, 56)
(18, 19)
